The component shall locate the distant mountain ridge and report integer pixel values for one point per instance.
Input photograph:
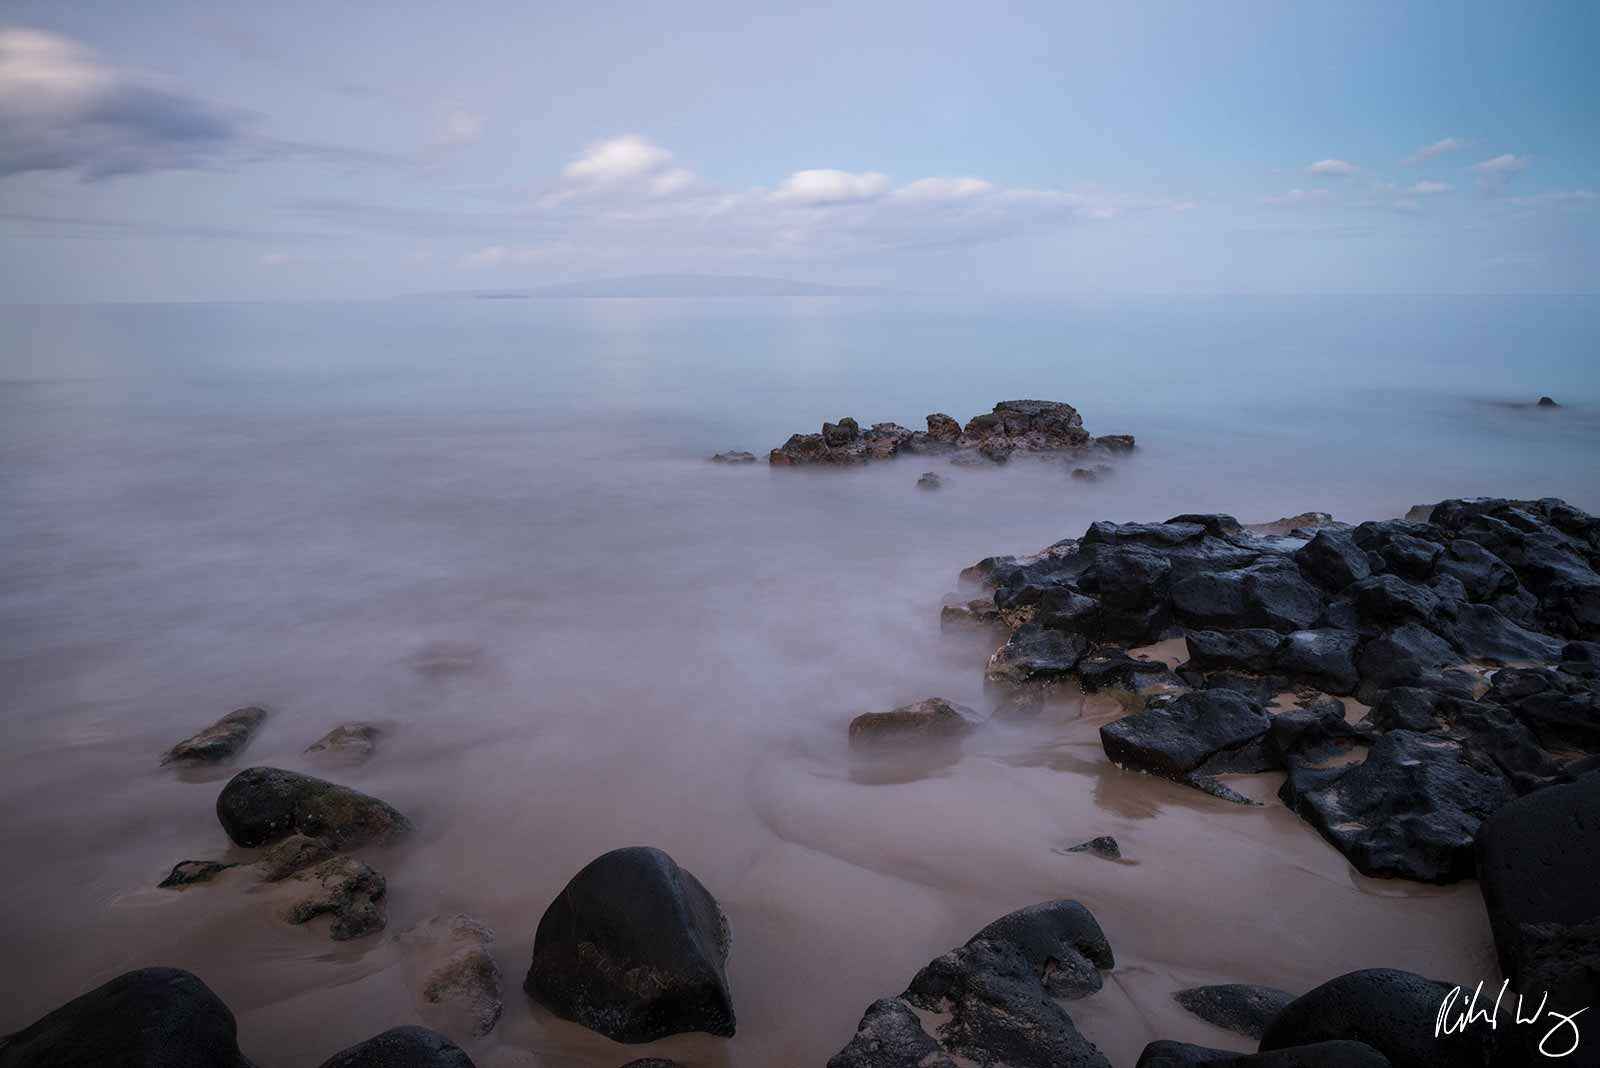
(670, 285)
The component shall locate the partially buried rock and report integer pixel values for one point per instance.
(736, 457)
(636, 949)
(455, 973)
(348, 743)
(346, 889)
(1338, 1054)
(218, 742)
(150, 1018)
(1103, 846)
(1236, 1007)
(931, 719)
(402, 1047)
(190, 872)
(1392, 1011)
(261, 805)
(293, 854)
(930, 481)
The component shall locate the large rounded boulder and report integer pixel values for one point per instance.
(636, 949)
(262, 805)
(1392, 1011)
(150, 1018)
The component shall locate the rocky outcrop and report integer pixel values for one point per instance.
(150, 1018)
(402, 1047)
(346, 889)
(996, 997)
(1238, 1007)
(1412, 617)
(261, 805)
(221, 741)
(931, 719)
(1027, 426)
(636, 949)
(734, 457)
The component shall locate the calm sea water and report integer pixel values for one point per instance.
(209, 506)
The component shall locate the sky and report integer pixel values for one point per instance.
(176, 150)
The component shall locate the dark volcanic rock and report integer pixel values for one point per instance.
(890, 1035)
(1191, 737)
(1324, 658)
(291, 855)
(736, 457)
(1410, 810)
(1103, 846)
(261, 805)
(636, 949)
(402, 1047)
(150, 1018)
(1237, 1007)
(1250, 649)
(190, 872)
(1053, 936)
(348, 743)
(929, 480)
(943, 428)
(1166, 1054)
(218, 742)
(1333, 559)
(1115, 442)
(1035, 652)
(1394, 1012)
(1013, 426)
(1536, 868)
(1547, 402)
(931, 719)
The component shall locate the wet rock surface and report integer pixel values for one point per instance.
(931, 719)
(734, 457)
(454, 972)
(1103, 846)
(1020, 426)
(261, 805)
(997, 998)
(1392, 1011)
(221, 741)
(1339, 1054)
(402, 1047)
(346, 889)
(192, 872)
(150, 1018)
(1472, 628)
(1236, 1007)
(348, 743)
(636, 949)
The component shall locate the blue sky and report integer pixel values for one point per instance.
(196, 151)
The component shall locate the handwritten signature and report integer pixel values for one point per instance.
(1458, 1012)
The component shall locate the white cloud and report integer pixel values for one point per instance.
(670, 182)
(944, 188)
(1337, 168)
(831, 187)
(1438, 148)
(1429, 188)
(1493, 174)
(462, 128)
(503, 255)
(618, 159)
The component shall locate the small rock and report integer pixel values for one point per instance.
(190, 872)
(348, 743)
(1237, 1007)
(402, 1047)
(930, 480)
(1115, 442)
(931, 719)
(348, 890)
(1547, 402)
(218, 742)
(260, 805)
(1093, 473)
(734, 458)
(636, 949)
(1103, 846)
(455, 972)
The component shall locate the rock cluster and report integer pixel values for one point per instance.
(1029, 426)
(997, 996)
(1470, 630)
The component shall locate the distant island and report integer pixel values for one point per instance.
(667, 285)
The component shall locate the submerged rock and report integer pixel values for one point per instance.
(190, 872)
(733, 458)
(1238, 1007)
(636, 949)
(149, 1018)
(260, 805)
(290, 855)
(1103, 846)
(220, 741)
(931, 719)
(402, 1047)
(929, 480)
(348, 743)
(346, 889)
(455, 972)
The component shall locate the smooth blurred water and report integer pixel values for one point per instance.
(207, 506)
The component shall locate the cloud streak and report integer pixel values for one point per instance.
(1438, 148)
